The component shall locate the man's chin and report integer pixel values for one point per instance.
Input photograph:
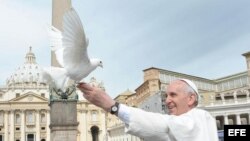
(171, 111)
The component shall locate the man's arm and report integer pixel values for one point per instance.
(147, 125)
(150, 126)
(96, 96)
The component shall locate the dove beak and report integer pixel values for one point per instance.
(101, 65)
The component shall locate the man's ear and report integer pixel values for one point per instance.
(191, 100)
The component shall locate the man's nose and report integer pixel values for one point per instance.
(167, 100)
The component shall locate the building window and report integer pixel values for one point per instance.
(42, 128)
(29, 117)
(244, 119)
(1, 137)
(94, 116)
(18, 119)
(220, 122)
(1, 95)
(95, 133)
(17, 94)
(42, 94)
(228, 97)
(43, 118)
(218, 97)
(30, 137)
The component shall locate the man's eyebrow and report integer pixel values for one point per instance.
(171, 93)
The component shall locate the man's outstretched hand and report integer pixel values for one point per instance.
(96, 96)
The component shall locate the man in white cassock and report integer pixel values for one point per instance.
(185, 122)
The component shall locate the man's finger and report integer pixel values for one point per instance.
(85, 86)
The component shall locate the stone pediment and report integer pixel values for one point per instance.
(29, 97)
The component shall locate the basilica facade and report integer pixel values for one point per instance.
(25, 111)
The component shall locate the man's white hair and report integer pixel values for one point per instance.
(193, 89)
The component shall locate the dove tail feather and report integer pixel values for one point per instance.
(57, 77)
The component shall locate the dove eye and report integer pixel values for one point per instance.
(101, 62)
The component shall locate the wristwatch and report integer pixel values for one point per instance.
(115, 108)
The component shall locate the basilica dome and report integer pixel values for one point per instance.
(30, 73)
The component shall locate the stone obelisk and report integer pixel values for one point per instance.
(58, 9)
(63, 114)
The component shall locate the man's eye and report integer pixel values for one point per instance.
(172, 94)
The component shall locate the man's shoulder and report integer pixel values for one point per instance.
(202, 112)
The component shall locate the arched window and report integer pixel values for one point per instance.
(95, 133)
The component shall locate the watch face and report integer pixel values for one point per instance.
(114, 108)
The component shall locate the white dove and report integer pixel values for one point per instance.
(70, 47)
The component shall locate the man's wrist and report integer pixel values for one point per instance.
(115, 108)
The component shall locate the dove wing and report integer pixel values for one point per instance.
(74, 42)
(56, 44)
(55, 76)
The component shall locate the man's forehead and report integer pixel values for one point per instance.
(175, 85)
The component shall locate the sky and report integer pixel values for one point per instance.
(204, 38)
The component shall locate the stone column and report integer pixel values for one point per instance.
(247, 93)
(85, 122)
(225, 120)
(6, 125)
(105, 127)
(222, 98)
(12, 122)
(235, 97)
(211, 100)
(22, 125)
(238, 122)
(47, 125)
(88, 119)
(82, 124)
(38, 125)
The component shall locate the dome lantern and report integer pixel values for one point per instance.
(30, 57)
